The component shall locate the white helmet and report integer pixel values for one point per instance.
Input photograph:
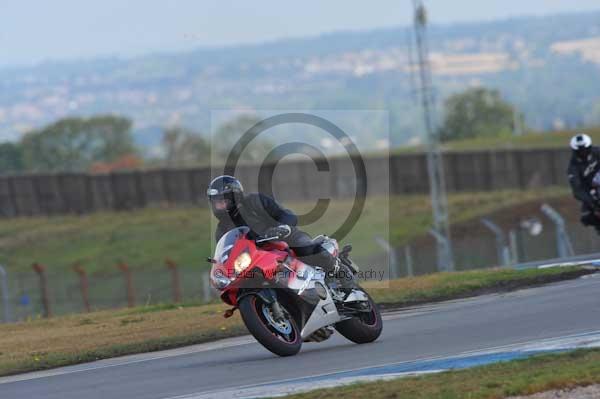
(581, 141)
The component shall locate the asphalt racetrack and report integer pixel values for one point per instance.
(448, 335)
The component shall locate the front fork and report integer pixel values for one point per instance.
(268, 296)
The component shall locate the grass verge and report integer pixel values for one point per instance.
(500, 380)
(47, 343)
(531, 140)
(144, 238)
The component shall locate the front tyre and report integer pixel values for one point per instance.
(364, 328)
(280, 337)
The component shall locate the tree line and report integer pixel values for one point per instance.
(104, 143)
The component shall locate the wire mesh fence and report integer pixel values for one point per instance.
(479, 250)
(68, 292)
(52, 291)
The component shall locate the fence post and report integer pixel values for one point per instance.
(410, 272)
(128, 283)
(176, 283)
(5, 296)
(441, 240)
(41, 271)
(563, 242)
(83, 286)
(383, 243)
(206, 293)
(502, 249)
(514, 247)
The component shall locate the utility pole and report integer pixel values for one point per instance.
(435, 165)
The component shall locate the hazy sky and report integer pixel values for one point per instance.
(34, 30)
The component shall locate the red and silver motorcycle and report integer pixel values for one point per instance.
(283, 301)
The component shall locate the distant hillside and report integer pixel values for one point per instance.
(548, 66)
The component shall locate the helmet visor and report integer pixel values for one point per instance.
(221, 203)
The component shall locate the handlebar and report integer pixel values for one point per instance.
(259, 240)
(277, 233)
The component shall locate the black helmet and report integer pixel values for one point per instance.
(224, 193)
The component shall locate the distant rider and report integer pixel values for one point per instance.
(585, 179)
(265, 217)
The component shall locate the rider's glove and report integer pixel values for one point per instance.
(281, 231)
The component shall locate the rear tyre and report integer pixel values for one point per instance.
(280, 337)
(364, 328)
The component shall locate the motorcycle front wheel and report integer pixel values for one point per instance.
(282, 337)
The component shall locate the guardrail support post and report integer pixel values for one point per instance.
(563, 243)
(128, 283)
(440, 239)
(175, 282)
(83, 286)
(5, 296)
(41, 271)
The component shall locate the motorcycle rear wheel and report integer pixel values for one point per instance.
(282, 338)
(364, 328)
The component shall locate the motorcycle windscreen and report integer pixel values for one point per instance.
(226, 243)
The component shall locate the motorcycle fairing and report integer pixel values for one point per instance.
(325, 312)
(298, 280)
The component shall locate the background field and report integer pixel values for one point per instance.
(529, 140)
(146, 237)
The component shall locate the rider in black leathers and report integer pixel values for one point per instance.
(585, 184)
(265, 218)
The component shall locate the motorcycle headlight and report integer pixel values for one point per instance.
(242, 262)
(219, 281)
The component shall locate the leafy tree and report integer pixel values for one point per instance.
(74, 144)
(184, 147)
(229, 134)
(111, 137)
(11, 157)
(476, 112)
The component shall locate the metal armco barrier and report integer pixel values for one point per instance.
(568, 261)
